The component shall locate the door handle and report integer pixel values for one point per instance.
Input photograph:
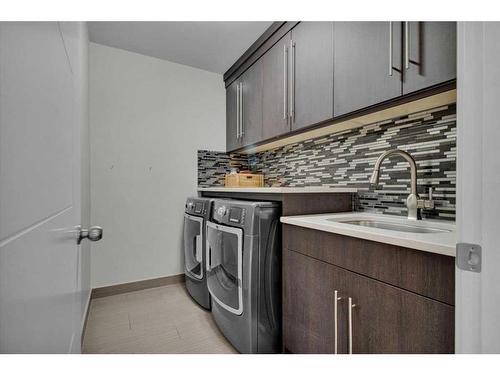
(336, 298)
(209, 255)
(94, 233)
(199, 249)
(349, 317)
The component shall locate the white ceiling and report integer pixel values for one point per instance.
(212, 46)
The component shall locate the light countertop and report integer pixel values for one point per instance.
(439, 243)
(281, 190)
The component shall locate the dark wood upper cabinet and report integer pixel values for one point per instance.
(365, 70)
(432, 54)
(311, 74)
(233, 140)
(251, 104)
(244, 109)
(308, 73)
(275, 101)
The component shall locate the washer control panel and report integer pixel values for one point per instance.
(197, 207)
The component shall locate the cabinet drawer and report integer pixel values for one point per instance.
(428, 274)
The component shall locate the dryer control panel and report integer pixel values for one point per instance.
(242, 214)
(236, 215)
(229, 214)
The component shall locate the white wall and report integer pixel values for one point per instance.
(148, 118)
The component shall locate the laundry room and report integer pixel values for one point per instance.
(207, 182)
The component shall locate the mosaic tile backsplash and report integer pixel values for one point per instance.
(347, 159)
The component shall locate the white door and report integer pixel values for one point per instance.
(40, 187)
(478, 185)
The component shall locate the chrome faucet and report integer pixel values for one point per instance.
(413, 203)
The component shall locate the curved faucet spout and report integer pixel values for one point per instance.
(411, 202)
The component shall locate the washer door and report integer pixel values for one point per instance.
(193, 245)
(224, 266)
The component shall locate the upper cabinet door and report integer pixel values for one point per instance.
(275, 102)
(251, 104)
(432, 54)
(233, 140)
(367, 64)
(311, 74)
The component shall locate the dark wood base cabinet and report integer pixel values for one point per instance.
(384, 318)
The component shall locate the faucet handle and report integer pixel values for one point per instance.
(426, 203)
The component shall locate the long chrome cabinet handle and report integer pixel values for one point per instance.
(285, 82)
(336, 298)
(407, 45)
(237, 111)
(292, 82)
(390, 48)
(350, 307)
(242, 132)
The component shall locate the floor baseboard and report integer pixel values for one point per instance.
(134, 286)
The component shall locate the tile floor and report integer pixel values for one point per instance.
(157, 320)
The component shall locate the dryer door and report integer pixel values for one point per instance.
(193, 245)
(224, 266)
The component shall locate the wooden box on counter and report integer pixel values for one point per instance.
(244, 180)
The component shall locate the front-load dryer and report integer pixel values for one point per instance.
(243, 273)
(196, 214)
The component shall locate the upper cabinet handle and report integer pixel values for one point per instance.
(336, 298)
(237, 110)
(292, 82)
(241, 111)
(390, 48)
(285, 82)
(349, 317)
(407, 45)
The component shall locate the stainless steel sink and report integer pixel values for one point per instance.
(391, 226)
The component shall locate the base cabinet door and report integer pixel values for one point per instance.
(387, 319)
(432, 54)
(328, 309)
(309, 306)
